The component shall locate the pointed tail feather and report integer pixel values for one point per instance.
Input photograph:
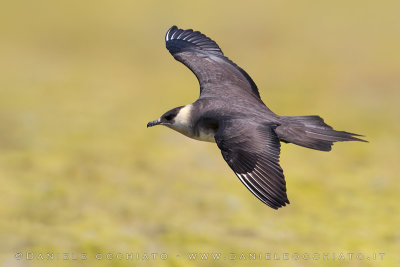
(311, 132)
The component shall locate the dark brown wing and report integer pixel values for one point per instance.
(217, 75)
(252, 151)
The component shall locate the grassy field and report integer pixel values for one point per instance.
(80, 173)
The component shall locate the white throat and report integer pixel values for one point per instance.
(182, 119)
(182, 122)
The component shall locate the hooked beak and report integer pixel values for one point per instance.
(153, 123)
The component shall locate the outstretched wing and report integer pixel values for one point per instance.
(252, 151)
(217, 74)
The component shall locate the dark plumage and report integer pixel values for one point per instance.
(231, 113)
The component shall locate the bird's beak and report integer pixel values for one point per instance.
(153, 123)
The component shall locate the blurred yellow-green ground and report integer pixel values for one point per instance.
(80, 173)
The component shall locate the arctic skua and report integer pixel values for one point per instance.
(231, 113)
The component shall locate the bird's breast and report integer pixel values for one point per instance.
(205, 130)
(206, 135)
(201, 134)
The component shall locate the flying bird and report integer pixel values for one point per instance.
(230, 113)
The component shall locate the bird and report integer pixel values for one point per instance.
(230, 113)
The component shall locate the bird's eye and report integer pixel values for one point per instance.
(169, 117)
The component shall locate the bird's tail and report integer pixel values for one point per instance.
(311, 132)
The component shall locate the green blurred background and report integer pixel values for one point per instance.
(79, 171)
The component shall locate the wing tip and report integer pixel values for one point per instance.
(178, 40)
(283, 203)
(173, 27)
(271, 200)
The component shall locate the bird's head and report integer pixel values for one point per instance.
(176, 118)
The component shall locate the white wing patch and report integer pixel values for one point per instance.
(244, 178)
(166, 35)
(244, 181)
